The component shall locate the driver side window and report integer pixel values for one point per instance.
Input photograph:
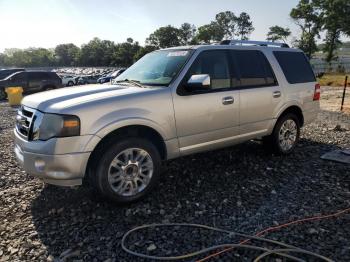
(215, 64)
(18, 77)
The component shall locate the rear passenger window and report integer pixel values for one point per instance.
(254, 68)
(295, 67)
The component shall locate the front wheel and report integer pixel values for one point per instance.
(127, 170)
(285, 135)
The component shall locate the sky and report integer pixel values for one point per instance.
(46, 23)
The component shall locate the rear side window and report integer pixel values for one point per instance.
(295, 67)
(254, 68)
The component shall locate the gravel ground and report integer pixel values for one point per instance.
(240, 188)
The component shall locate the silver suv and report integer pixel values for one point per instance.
(172, 102)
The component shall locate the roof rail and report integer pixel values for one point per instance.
(255, 43)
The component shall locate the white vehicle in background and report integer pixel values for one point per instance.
(68, 80)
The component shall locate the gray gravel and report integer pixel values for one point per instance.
(241, 188)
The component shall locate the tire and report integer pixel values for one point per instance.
(70, 83)
(3, 94)
(123, 181)
(285, 135)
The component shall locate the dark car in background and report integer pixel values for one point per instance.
(107, 78)
(31, 82)
(6, 72)
(104, 79)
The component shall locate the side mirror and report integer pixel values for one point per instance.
(199, 82)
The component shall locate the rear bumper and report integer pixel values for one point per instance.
(58, 169)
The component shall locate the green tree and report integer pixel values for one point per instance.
(186, 34)
(124, 54)
(244, 26)
(278, 33)
(334, 18)
(97, 52)
(143, 51)
(307, 17)
(163, 37)
(212, 32)
(2, 60)
(67, 54)
(227, 22)
(41, 57)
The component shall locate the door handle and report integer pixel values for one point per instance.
(276, 94)
(227, 100)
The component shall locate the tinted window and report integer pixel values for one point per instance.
(254, 68)
(215, 64)
(38, 76)
(19, 76)
(295, 67)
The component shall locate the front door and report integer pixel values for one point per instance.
(20, 80)
(207, 118)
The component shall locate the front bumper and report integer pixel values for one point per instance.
(66, 169)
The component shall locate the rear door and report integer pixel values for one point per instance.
(260, 93)
(35, 81)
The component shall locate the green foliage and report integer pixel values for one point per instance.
(226, 26)
(334, 16)
(314, 16)
(163, 37)
(67, 54)
(124, 53)
(278, 33)
(143, 51)
(186, 34)
(244, 26)
(96, 53)
(307, 17)
(227, 22)
(35, 57)
(212, 32)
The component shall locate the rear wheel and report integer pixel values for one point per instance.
(70, 83)
(127, 170)
(285, 135)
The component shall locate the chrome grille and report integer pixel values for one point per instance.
(24, 119)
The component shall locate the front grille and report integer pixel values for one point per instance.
(24, 120)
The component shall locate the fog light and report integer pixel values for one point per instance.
(39, 165)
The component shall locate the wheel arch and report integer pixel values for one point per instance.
(296, 110)
(141, 131)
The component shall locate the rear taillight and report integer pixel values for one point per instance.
(317, 93)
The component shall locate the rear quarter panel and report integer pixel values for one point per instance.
(300, 95)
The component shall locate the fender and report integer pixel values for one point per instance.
(280, 112)
(130, 122)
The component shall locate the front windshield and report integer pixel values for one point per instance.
(157, 68)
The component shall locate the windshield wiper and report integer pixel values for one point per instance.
(135, 82)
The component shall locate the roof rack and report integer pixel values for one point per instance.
(255, 43)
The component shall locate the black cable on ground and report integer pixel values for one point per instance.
(285, 250)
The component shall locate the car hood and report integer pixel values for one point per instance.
(56, 100)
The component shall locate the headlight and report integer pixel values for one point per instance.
(52, 125)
